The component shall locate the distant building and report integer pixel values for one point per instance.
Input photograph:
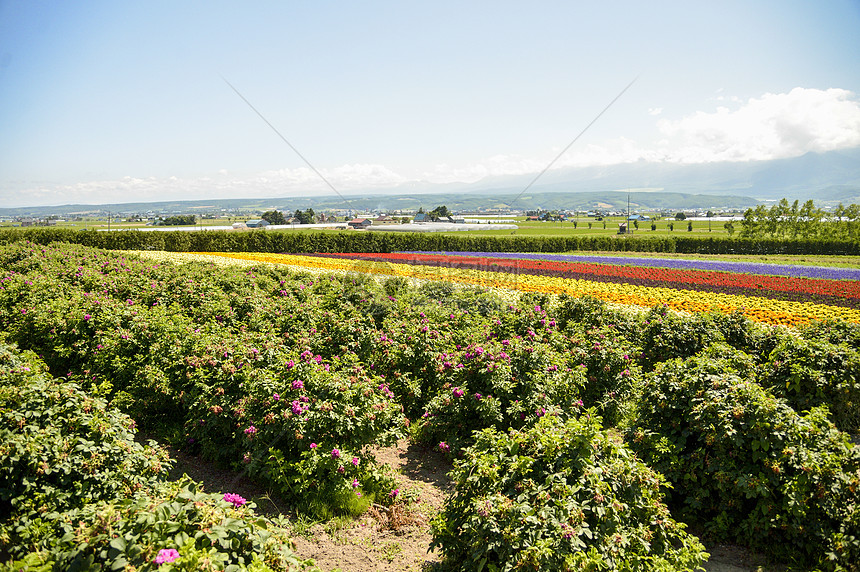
(257, 223)
(360, 223)
(420, 217)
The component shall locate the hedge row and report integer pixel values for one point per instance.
(350, 241)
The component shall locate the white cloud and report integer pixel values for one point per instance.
(771, 127)
(278, 183)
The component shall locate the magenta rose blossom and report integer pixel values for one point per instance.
(166, 555)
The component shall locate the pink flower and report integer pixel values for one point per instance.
(314, 445)
(276, 397)
(250, 431)
(297, 384)
(235, 499)
(166, 555)
(444, 447)
(355, 483)
(341, 470)
(335, 453)
(355, 461)
(393, 494)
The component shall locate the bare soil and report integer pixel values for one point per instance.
(390, 541)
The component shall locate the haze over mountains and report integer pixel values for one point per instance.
(832, 176)
(826, 178)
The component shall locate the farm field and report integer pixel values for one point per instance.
(597, 228)
(593, 412)
(526, 227)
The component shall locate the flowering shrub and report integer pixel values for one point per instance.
(593, 312)
(667, 335)
(499, 384)
(814, 373)
(559, 496)
(341, 406)
(609, 363)
(834, 332)
(77, 492)
(61, 448)
(746, 466)
(172, 527)
(328, 482)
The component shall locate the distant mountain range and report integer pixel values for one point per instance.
(823, 177)
(826, 178)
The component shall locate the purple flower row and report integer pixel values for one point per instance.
(832, 273)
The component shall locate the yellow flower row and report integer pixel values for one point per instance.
(777, 312)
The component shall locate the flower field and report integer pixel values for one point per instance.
(776, 300)
(589, 423)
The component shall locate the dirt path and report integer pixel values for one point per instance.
(369, 543)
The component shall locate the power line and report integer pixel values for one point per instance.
(575, 139)
(284, 139)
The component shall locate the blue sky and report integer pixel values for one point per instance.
(125, 101)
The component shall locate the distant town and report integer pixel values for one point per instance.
(244, 218)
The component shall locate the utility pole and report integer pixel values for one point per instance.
(628, 212)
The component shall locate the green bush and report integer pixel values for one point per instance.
(77, 492)
(666, 335)
(813, 373)
(498, 384)
(746, 466)
(61, 448)
(592, 312)
(205, 532)
(269, 421)
(559, 496)
(609, 362)
(832, 332)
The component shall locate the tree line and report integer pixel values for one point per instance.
(807, 221)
